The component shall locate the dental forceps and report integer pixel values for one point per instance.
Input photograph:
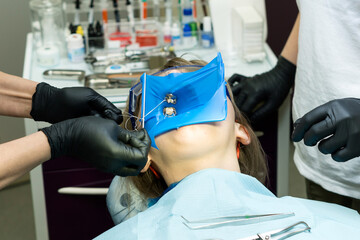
(279, 233)
(239, 220)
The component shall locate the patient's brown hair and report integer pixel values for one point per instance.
(251, 160)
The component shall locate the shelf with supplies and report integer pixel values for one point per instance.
(143, 35)
(84, 27)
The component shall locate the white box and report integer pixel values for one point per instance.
(248, 33)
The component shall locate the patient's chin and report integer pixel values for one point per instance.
(189, 140)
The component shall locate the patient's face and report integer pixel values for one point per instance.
(196, 141)
(199, 146)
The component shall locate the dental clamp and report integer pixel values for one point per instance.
(170, 98)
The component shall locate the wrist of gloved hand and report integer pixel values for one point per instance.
(42, 98)
(262, 94)
(100, 142)
(58, 141)
(285, 71)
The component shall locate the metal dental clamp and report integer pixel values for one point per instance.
(170, 98)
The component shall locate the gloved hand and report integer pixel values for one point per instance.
(54, 105)
(269, 89)
(336, 125)
(101, 142)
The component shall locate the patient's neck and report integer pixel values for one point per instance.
(175, 169)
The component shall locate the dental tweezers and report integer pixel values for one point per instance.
(239, 220)
(280, 233)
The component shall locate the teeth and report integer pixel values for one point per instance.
(169, 111)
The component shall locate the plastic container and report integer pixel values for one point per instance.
(144, 34)
(248, 39)
(104, 12)
(222, 19)
(207, 35)
(175, 35)
(194, 31)
(146, 38)
(167, 33)
(189, 40)
(187, 13)
(76, 48)
(187, 16)
(48, 25)
(48, 56)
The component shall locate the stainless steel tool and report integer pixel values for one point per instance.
(281, 233)
(64, 74)
(239, 220)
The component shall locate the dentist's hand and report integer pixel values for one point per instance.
(260, 95)
(54, 105)
(336, 125)
(102, 143)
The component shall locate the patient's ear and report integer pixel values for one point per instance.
(148, 163)
(242, 134)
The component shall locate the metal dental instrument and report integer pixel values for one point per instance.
(240, 220)
(170, 98)
(91, 12)
(117, 15)
(65, 74)
(143, 107)
(77, 12)
(280, 233)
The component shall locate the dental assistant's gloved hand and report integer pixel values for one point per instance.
(339, 119)
(267, 90)
(101, 142)
(51, 104)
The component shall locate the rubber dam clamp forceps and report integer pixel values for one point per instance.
(280, 233)
(239, 220)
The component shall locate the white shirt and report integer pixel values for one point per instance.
(328, 68)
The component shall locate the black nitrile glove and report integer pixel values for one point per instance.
(336, 125)
(51, 104)
(101, 142)
(267, 90)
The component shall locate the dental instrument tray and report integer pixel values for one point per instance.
(64, 74)
(105, 81)
(128, 61)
